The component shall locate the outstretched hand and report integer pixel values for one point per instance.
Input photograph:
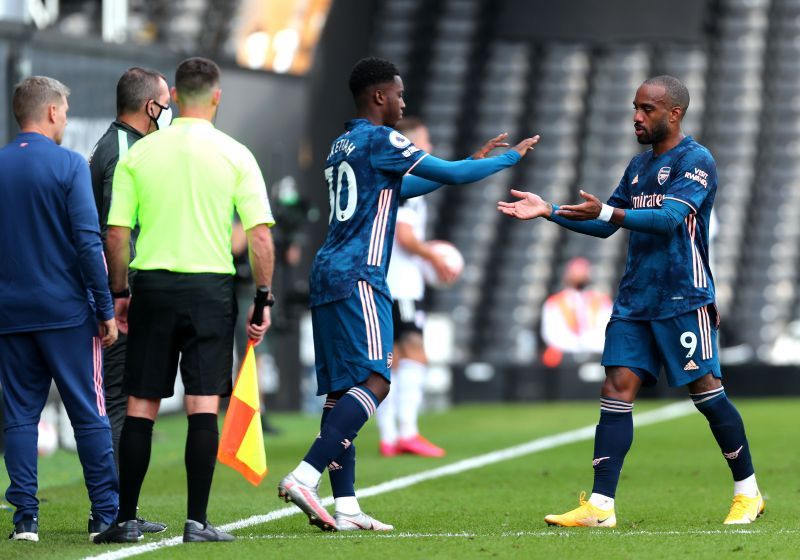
(496, 142)
(588, 210)
(526, 145)
(528, 207)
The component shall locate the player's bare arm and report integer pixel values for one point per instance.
(404, 234)
(528, 207)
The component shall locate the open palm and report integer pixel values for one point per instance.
(528, 206)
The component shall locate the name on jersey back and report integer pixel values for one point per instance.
(342, 145)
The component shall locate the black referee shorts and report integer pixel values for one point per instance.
(188, 315)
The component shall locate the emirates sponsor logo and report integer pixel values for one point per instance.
(733, 454)
(647, 200)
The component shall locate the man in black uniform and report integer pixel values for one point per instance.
(142, 108)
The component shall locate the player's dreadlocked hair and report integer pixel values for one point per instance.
(369, 72)
(676, 91)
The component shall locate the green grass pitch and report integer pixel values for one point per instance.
(674, 493)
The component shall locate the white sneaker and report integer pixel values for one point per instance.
(307, 499)
(360, 522)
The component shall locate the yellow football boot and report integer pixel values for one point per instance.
(744, 509)
(586, 515)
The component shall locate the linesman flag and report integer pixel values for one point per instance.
(241, 446)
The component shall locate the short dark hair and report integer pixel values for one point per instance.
(407, 125)
(371, 71)
(135, 87)
(33, 94)
(196, 76)
(677, 93)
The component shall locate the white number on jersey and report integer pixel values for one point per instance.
(335, 193)
(689, 340)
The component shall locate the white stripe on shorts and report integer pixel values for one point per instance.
(373, 328)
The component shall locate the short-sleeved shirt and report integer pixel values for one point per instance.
(52, 273)
(405, 277)
(182, 184)
(364, 173)
(667, 276)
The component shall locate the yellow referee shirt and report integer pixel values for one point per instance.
(181, 185)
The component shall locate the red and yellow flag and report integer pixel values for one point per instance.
(241, 446)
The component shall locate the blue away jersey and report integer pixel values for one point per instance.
(364, 172)
(668, 276)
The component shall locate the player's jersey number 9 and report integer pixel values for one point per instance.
(337, 174)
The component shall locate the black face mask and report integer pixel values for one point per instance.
(164, 116)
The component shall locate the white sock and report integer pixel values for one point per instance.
(601, 501)
(748, 486)
(307, 474)
(386, 419)
(410, 379)
(347, 505)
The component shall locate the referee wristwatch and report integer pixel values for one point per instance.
(122, 294)
(265, 296)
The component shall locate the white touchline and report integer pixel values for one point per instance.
(543, 533)
(669, 412)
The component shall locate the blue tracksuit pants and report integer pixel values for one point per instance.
(72, 357)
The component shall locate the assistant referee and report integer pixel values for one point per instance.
(181, 186)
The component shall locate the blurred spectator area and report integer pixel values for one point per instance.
(278, 36)
(470, 78)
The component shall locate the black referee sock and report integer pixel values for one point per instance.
(202, 440)
(134, 458)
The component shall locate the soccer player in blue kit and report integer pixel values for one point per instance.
(664, 314)
(351, 306)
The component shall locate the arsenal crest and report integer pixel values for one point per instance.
(663, 175)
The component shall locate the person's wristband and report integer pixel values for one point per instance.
(264, 294)
(126, 293)
(605, 213)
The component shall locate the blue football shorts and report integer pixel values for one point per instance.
(352, 339)
(686, 346)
